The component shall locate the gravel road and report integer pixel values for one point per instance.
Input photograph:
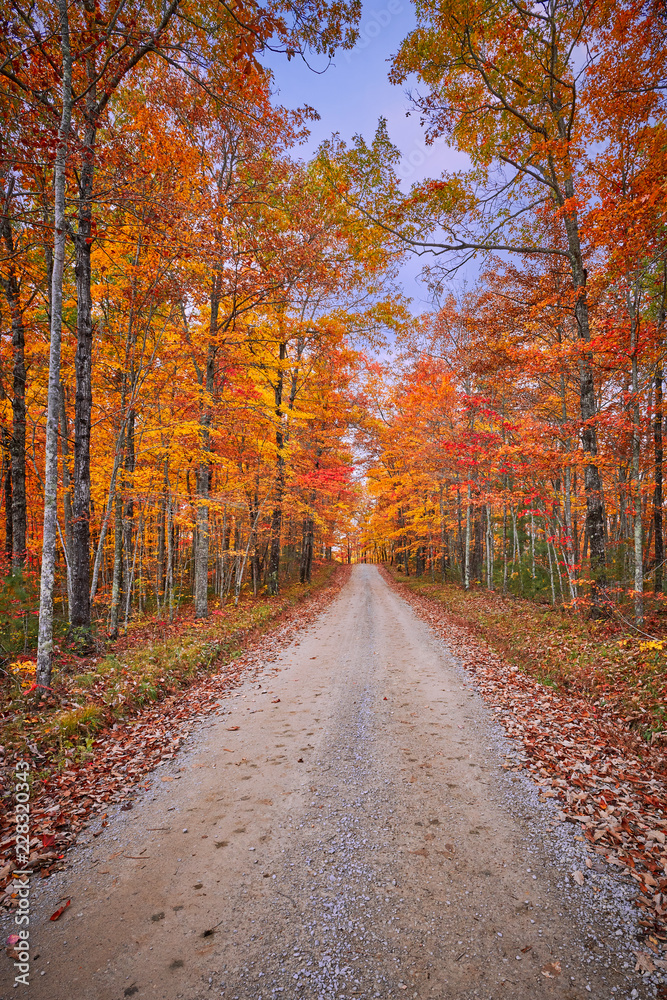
(343, 827)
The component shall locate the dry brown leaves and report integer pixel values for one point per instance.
(62, 805)
(609, 784)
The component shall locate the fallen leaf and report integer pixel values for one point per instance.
(578, 877)
(551, 969)
(232, 729)
(59, 912)
(644, 962)
(275, 701)
(48, 839)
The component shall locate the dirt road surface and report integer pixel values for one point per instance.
(343, 827)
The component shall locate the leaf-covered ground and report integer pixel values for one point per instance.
(75, 778)
(581, 750)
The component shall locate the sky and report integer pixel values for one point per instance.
(354, 91)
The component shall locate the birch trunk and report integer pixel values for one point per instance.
(636, 446)
(169, 582)
(117, 567)
(45, 637)
(551, 572)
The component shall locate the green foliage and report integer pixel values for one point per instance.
(86, 719)
(19, 599)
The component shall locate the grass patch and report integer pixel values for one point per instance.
(85, 720)
(84, 680)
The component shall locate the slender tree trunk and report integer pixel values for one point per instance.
(658, 449)
(7, 485)
(99, 552)
(551, 574)
(466, 554)
(161, 550)
(306, 566)
(45, 638)
(489, 547)
(17, 441)
(116, 586)
(203, 483)
(128, 505)
(504, 548)
(279, 488)
(443, 535)
(588, 407)
(84, 388)
(19, 528)
(276, 520)
(67, 493)
(636, 447)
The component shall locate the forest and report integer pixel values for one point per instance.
(211, 378)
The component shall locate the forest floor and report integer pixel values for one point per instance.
(354, 821)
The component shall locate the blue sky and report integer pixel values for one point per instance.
(354, 92)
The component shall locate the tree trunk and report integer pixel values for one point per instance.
(17, 441)
(161, 547)
(636, 447)
(588, 406)
(489, 548)
(116, 587)
(504, 548)
(207, 382)
(466, 564)
(45, 638)
(306, 564)
(277, 514)
(128, 504)
(276, 521)
(7, 487)
(658, 452)
(84, 391)
(443, 535)
(169, 579)
(551, 572)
